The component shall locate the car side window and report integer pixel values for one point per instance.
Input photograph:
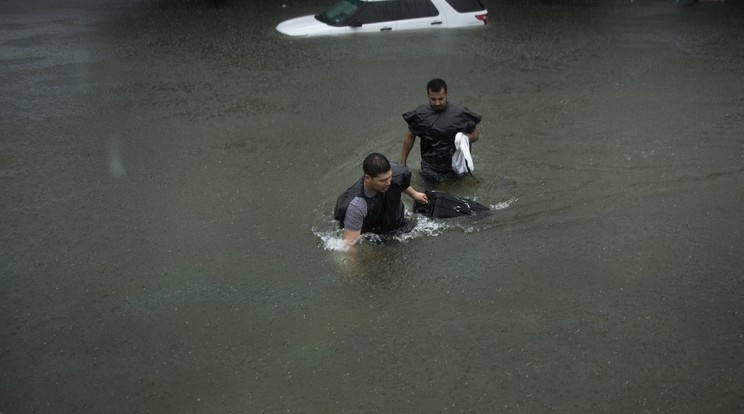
(415, 9)
(376, 12)
(466, 6)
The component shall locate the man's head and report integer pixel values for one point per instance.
(436, 91)
(377, 173)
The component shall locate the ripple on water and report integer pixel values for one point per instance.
(332, 238)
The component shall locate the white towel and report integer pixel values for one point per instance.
(462, 161)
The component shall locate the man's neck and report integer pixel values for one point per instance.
(369, 192)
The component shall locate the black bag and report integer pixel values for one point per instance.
(443, 205)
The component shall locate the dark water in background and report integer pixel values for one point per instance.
(167, 170)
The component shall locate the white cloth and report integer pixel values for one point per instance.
(461, 159)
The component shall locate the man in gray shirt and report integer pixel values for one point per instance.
(373, 203)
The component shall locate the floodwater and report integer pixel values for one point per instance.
(168, 170)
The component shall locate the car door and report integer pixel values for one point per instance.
(375, 16)
(420, 14)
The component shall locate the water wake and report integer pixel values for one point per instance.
(332, 240)
(331, 237)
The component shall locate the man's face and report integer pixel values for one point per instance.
(437, 100)
(380, 182)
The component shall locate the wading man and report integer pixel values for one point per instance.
(373, 203)
(437, 123)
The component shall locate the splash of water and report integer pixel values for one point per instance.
(504, 204)
(332, 240)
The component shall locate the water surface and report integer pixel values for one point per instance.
(168, 170)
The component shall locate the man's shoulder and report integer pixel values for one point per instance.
(423, 109)
(398, 168)
(456, 107)
(422, 114)
(358, 202)
(457, 110)
(401, 175)
(357, 206)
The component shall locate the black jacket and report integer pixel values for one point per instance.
(385, 211)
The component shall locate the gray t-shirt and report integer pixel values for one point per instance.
(356, 212)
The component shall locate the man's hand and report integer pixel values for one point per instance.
(420, 197)
(473, 135)
(417, 196)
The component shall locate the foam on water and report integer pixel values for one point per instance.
(332, 240)
(504, 204)
(331, 236)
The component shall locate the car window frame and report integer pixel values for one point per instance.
(410, 5)
(392, 5)
(325, 18)
(466, 6)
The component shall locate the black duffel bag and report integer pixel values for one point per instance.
(443, 205)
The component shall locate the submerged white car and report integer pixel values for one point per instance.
(360, 16)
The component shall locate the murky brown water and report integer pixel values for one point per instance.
(167, 171)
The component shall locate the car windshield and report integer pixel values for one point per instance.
(339, 12)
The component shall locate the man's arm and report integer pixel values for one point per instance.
(408, 140)
(354, 220)
(417, 196)
(350, 236)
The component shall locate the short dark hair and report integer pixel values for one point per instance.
(375, 164)
(436, 85)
